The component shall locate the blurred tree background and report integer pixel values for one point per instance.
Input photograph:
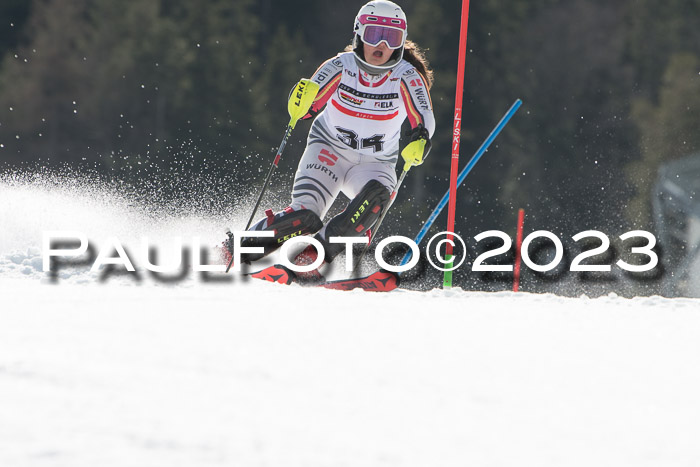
(142, 89)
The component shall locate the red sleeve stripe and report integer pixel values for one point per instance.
(414, 117)
(326, 92)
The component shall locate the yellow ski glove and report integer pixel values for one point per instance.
(417, 150)
(300, 99)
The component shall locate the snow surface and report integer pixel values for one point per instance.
(122, 372)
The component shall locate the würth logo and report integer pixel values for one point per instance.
(327, 157)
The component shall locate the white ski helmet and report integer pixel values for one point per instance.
(380, 21)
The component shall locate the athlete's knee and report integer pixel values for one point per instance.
(361, 214)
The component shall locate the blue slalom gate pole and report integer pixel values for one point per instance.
(462, 175)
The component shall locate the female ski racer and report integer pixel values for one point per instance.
(364, 96)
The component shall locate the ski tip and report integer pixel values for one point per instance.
(392, 278)
(381, 281)
(275, 273)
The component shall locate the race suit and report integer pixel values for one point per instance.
(355, 137)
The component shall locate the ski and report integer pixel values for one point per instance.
(380, 281)
(275, 273)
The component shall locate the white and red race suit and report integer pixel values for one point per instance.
(355, 137)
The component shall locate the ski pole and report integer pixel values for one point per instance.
(299, 103)
(381, 219)
(274, 165)
(462, 175)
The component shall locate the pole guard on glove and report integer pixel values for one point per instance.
(417, 150)
(300, 99)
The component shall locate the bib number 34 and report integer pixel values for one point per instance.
(349, 137)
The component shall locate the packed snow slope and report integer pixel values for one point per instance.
(126, 372)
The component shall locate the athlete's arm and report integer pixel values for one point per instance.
(328, 77)
(419, 108)
(416, 99)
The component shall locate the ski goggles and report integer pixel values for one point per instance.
(377, 29)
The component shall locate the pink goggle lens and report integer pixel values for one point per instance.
(374, 34)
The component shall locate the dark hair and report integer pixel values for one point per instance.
(414, 55)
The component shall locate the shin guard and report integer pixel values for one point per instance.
(360, 215)
(285, 224)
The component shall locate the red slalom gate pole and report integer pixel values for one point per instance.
(447, 280)
(518, 244)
